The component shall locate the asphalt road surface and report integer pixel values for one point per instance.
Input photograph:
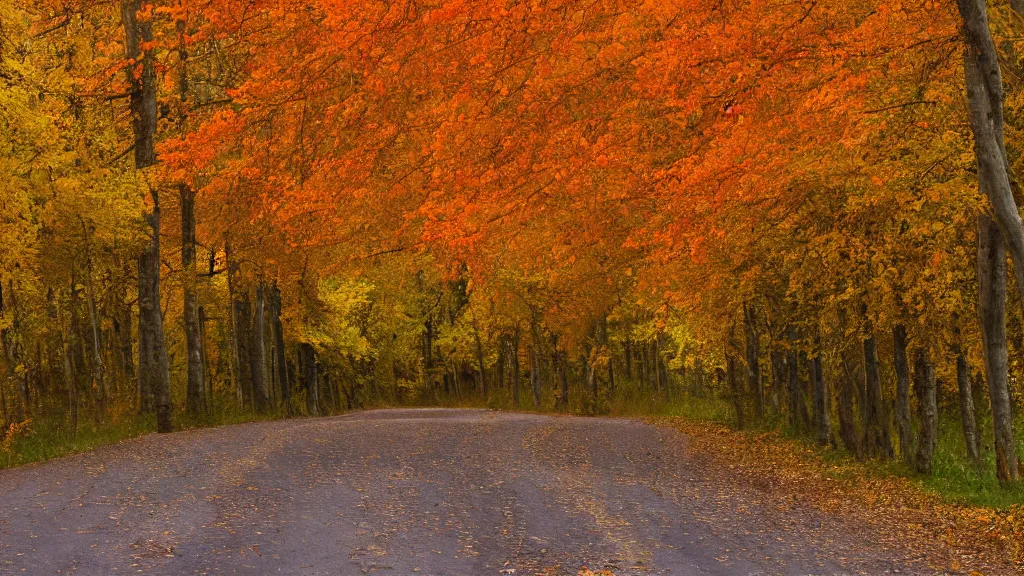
(417, 492)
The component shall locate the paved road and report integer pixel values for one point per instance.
(410, 492)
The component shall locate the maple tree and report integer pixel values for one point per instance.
(552, 204)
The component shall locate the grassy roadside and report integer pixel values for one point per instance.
(47, 438)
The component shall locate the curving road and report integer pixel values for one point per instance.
(404, 492)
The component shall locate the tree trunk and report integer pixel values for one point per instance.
(779, 376)
(243, 343)
(564, 375)
(481, 367)
(535, 348)
(153, 366)
(428, 353)
(310, 380)
(798, 417)
(902, 369)
(847, 425)
(628, 346)
(822, 425)
(985, 100)
(876, 427)
(970, 427)
(514, 353)
(656, 364)
(280, 362)
(992, 309)
(259, 351)
(734, 386)
(7, 346)
(753, 365)
(195, 390)
(927, 407)
(69, 377)
(502, 364)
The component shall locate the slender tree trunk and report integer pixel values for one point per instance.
(8, 348)
(205, 357)
(822, 425)
(481, 367)
(655, 364)
(243, 341)
(927, 407)
(259, 351)
(234, 340)
(643, 364)
(985, 99)
(502, 363)
(564, 375)
(514, 353)
(876, 426)
(963, 380)
(280, 362)
(847, 424)
(798, 417)
(753, 365)
(69, 376)
(611, 370)
(310, 379)
(153, 364)
(779, 376)
(992, 309)
(902, 369)
(125, 333)
(535, 348)
(734, 386)
(195, 390)
(628, 345)
(428, 353)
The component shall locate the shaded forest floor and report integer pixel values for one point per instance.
(959, 514)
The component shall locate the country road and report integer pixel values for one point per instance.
(403, 492)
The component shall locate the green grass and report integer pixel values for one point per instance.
(50, 437)
(956, 479)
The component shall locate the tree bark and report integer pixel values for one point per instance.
(535, 344)
(481, 367)
(153, 365)
(310, 380)
(564, 375)
(628, 346)
(822, 426)
(902, 369)
(195, 390)
(798, 417)
(243, 343)
(847, 425)
(876, 428)
(985, 101)
(514, 353)
(927, 407)
(280, 363)
(779, 375)
(734, 386)
(234, 341)
(967, 418)
(753, 365)
(259, 351)
(992, 309)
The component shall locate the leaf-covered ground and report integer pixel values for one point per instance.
(950, 537)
